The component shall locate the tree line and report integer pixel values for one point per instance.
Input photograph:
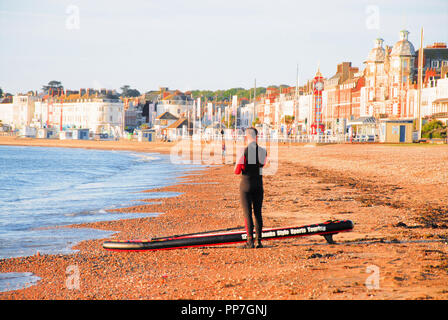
(226, 95)
(220, 95)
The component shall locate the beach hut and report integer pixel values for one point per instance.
(66, 135)
(46, 133)
(396, 131)
(74, 134)
(27, 132)
(364, 128)
(145, 135)
(80, 134)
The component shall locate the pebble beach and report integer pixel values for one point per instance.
(396, 195)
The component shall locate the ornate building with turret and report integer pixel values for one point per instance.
(389, 75)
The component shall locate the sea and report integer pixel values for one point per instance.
(43, 189)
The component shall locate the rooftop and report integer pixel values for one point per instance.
(167, 116)
(179, 124)
(403, 47)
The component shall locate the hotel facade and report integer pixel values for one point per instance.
(99, 115)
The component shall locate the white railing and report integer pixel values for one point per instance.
(304, 138)
(9, 133)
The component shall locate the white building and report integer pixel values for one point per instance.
(152, 114)
(246, 116)
(23, 110)
(132, 114)
(177, 105)
(6, 113)
(99, 115)
(435, 91)
(19, 113)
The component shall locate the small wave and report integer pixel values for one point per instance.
(85, 213)
(17, 280)
(144, 158)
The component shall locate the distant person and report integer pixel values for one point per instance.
(223, 148)
(223, 152)
(250, 165)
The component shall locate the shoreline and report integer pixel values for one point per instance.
(118, 210)
(159, 147)
(308, 188)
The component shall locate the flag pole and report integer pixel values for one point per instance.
(419, 83)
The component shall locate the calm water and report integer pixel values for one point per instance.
(42, 188)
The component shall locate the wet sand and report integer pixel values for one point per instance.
(396, 196)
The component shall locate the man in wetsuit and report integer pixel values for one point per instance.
(250, 164)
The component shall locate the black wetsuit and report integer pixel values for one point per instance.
(251, 188)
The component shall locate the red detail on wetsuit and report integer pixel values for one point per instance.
(240, 166)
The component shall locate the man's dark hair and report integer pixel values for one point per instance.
(252, 132)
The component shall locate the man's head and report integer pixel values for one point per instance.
(251, 134)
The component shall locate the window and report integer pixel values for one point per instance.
(434, 64)
(445, 63)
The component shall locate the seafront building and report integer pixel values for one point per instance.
(176, 103)
(133, 113)
(342, 96)
(353, 101)
(434, 100)
(100, 113)
(391, 79)
(389, 75)
(18, 111)
(6, 114)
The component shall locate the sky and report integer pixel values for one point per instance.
(198, 44)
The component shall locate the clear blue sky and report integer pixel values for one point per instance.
(198, 44)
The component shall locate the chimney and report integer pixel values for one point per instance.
(404, 35)
(379, 43)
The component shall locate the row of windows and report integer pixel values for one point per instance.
(404, 64)
(439, 63)
(83, 119)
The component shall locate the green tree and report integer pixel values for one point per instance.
(256, 121)
(288, 119)
(229, 123)
(434, 129)
(126, 91)
(53, 85)
(226, 95)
